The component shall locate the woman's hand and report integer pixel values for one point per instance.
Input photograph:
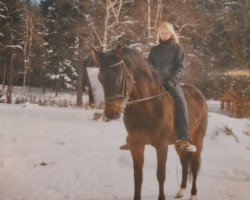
(169, 84)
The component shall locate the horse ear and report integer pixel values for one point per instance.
(95, 54)
(119, 52)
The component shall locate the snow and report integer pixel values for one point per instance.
(95, 84)
(45, 44)
(3, 16)
(129, 22)
(14, 46)
(53, 76)
(69, 86)
(67, 63)
(138, 46)
(51, 153)
(66, 78)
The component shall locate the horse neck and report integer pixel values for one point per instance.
(159, 109)
(145, 86)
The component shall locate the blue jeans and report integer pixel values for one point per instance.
(181, 113)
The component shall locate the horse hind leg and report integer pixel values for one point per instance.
(189, 160)
(195, 166)
(196, 157)
(184, 159)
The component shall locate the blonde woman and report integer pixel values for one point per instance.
(168, 58)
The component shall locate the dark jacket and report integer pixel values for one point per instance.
(168, 59)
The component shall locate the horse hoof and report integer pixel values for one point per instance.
(193, 197)
(180, 193)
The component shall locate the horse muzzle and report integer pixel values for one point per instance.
(111, 116)
(112, 112)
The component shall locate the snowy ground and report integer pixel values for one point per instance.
(55, 154)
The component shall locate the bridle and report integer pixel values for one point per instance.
(124, 92)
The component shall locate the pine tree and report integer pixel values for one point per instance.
(11, 39)
(60, 44)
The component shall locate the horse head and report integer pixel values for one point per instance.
(115, 80)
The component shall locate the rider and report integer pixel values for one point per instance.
(168, 58)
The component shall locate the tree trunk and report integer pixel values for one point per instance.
(79, 101)
(105, 33)
(57, 87)
(149, 19)
(91, 96)
(158, 16)
(10, 87)
(28, 44)
(86, 82)
(4, 73)
(111, 12)
(8, 94)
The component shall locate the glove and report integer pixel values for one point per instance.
(169, 84)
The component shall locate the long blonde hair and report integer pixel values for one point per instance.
(170, 28)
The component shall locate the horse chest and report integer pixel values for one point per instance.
(143, 120)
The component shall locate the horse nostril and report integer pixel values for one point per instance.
(111, 116)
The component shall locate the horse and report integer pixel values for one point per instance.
(132, 87)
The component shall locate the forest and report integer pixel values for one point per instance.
(46, 44)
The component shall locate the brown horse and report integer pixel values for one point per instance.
(131, 85)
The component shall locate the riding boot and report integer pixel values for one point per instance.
(183, 141)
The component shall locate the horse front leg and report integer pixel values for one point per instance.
(162, 151)
(137, 152)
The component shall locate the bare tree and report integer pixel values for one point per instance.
(158, 16)
(157, 20)
(29, 28)
(149, 19)
(113, 9)
(112, 13)
(10, 86)
(82, 46)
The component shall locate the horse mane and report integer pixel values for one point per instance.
(140, 65)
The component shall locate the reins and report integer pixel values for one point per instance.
(147, 98)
